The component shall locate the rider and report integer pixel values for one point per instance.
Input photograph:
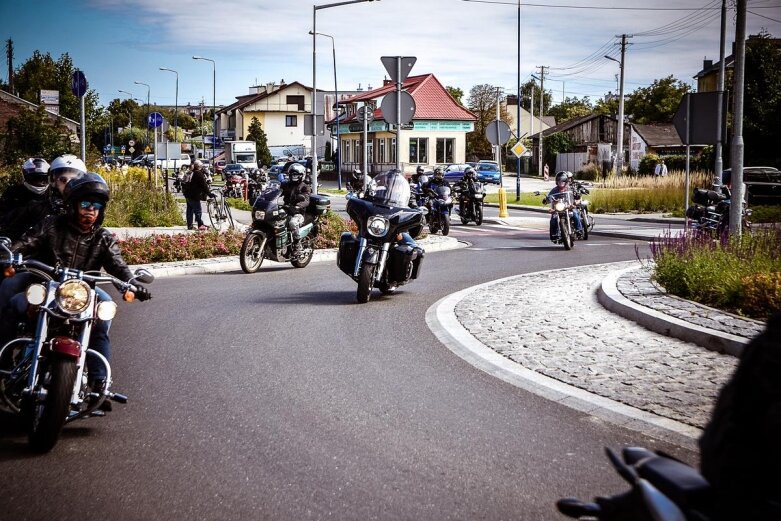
(33, 188)
(359, 182)
(394, 188)
(468, 187)
(296, 197)
(437, 180)
(419, 171)
(562, 187)
(75, 240)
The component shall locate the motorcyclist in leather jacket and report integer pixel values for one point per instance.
(359, 182)
(295, 193)
(437, 180)
(75, 240)
(419, 171)
(468, 187)
(33, 188)
(562, 186)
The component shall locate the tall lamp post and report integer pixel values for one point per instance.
(620, 130)
(176, 99)
(314, 33)
(214, 102)
(338, 161)
(148, 90)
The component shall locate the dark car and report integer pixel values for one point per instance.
(763, 184)
(233, 169)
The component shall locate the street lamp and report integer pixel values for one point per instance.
(338, 161)
(620, 131)
(148, 90)
(176, 99)
(214, 101)
(314, 33)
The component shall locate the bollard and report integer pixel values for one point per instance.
(503, 202)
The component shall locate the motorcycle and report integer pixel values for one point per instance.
(270, 237)
(377, 256)
(235, 185)
(710, 212)
(581, 205)
(439, 204)
(561, 210)
(258, 181)
(470, 206)
(43, 373)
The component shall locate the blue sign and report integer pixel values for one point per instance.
(78, 84)
(155, 120)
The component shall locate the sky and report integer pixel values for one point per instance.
(463, 43)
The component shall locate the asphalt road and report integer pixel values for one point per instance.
(277, 396)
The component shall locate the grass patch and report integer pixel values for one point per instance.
(137, 202)
(765, 214)
(239, 204)
(739, 275)
(527, 199)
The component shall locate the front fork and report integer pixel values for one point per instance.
(382, 258)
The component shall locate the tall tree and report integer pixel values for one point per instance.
(258, 135)
(457, 94)
(482, 102)
(571, 108)
(32, 133)
(762, 107)
(656, 103)
(526, 97)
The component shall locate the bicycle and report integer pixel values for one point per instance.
(218, 209)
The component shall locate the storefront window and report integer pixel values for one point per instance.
(346, 157)
(381, 151)
(357, 150)
(446, 150)
(418, 150)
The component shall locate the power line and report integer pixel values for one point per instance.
(763, 16)
(595, 7)
(680, 23)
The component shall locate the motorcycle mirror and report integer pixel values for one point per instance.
(624, 470)
(143, 276)
(660, 506)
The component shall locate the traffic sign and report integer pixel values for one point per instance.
(702, 121)
(497, 132)
(518, 149)
(363, 113)
(392, 66)
(155, 120)
(389, 107)
(78, 84)
(123, 149)
(131, 150)
(131, 142)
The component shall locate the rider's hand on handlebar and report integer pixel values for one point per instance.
(142, 294)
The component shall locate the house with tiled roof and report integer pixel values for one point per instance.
(436, 135)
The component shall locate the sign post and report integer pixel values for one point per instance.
(79, 89)
(155, 121)
(398, 68)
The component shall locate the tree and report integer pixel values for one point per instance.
(656, 103)
(607, 106)
(32, 133)
(457, 94)
(554, 144)
(482, 102)
(257, 135)
(762, 105)
(571, 108)
(526, 99)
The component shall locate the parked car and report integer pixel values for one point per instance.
(763, 184)
(489, 172)
(455, 171)
(219, 166)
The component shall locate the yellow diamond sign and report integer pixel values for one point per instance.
(518, 149)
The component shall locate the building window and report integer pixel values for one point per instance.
(357, 150)
(296, 100)
(381, 150)
(291, 121)
(418, 150)
(392, 150)
(446, 150)
(370, 151)
(345, 151)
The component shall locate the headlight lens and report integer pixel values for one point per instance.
(377, 226)
(107, 310)
(583, 203)
(36, 294)
(73, 296)
(559, 206)
(260, 215)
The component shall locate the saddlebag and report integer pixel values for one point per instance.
(403, 260)
(318, 204)
(695, 212)
(706, 197)
(347, 252)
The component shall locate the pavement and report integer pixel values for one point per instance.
(620, 349)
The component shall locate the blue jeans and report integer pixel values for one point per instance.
(554, 223)
(194, 211)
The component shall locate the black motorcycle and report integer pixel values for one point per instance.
(470, 205)
(377, 256)
(581, 205)
(562, 207)
(710, 212)
(270, 237)
(440, 205)
(258, 181)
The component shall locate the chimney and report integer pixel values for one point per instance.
(269, 87)
(359, 89)
(386, 81)
(707, 64)
(369, 87)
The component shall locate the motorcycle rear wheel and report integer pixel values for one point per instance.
(365, 283)
(307, 252)
(253, 251)
(48, 417)
(566, 238)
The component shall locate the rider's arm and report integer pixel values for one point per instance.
(111, 256)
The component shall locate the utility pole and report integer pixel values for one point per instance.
(736, 176)
(542, 111)
(718, 167)
(9, 52)
(620, 131)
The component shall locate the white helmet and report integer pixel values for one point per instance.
(66, 163)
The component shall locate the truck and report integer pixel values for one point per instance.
(243, 153)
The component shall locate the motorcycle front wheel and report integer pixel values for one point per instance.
(48, 416)
(566, 238)
(252, 252)
(366, 283)
(445, 224)
(478, 214)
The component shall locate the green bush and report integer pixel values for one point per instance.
(761, 294)
(331, 228)
(179, 247)
(136, 202)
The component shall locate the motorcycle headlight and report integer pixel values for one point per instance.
(73, 296)
(260, 215)
(36, 294)
(478, 196)
(559, 206)
(583, 203)
(107, 310)
(377, 226)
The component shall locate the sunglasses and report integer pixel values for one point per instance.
(90, 205)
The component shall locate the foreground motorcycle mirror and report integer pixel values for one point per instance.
(143, 276)
(625, 471)
(660, 506)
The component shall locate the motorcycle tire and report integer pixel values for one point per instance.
(253, 251)
(566, 238)
(432, 228)
(307, 252)
(464, 220)
(478, 215)
(445, 224)
(365, 283)
(49, 416)
(387, 289)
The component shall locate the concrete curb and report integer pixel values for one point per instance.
(231, 263)
(442, 321)
(612, 299)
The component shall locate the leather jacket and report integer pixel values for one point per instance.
(57, 241)
(296, 196)
(32, 214)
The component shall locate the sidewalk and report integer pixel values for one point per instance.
(578, 353)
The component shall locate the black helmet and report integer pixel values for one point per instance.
(561, 177)
(439, 173)
(419, 170)
(87, 187)
(469, 172)
(296, 172)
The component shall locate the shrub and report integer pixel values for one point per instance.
(179, 247)
(589, 172)
(135, 201)
(761, 294)
(331, 228)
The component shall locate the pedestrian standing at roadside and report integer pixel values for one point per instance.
(195, 189)
(661, 169)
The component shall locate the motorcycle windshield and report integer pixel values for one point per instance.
(566, 197)
(443, 192)
(391, 189)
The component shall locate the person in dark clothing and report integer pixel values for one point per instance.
(195, 189)
(467, 186)
(739, 449)
(74, 240)
(563, 187)
(33, 188)
(295, 194)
